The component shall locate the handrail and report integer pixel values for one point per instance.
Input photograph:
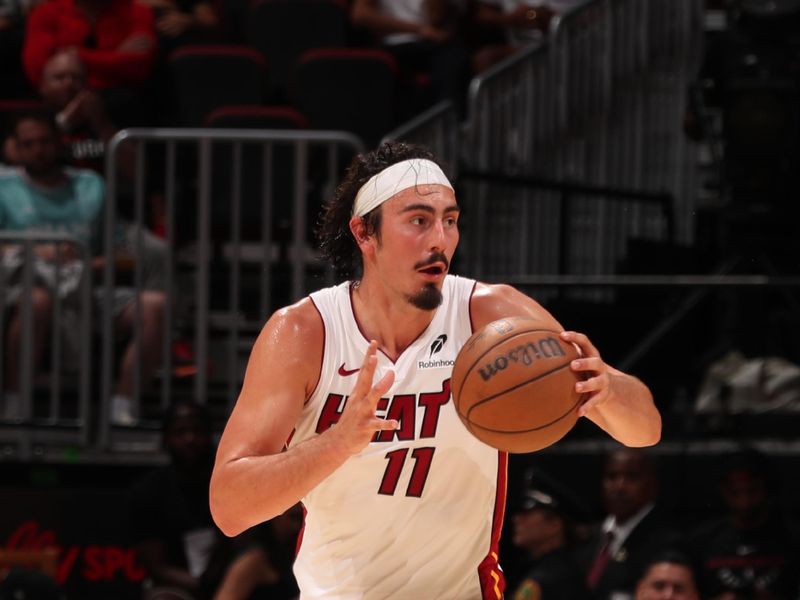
(684, 281)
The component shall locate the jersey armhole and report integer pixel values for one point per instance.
(471, 319)
(322, 356)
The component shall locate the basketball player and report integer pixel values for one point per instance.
(401, 501)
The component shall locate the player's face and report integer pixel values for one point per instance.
(666, 581)
(418, 237)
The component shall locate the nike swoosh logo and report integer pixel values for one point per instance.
(345, 372)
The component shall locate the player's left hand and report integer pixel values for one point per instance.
(592, 369)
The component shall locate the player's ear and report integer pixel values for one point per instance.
(358, 230)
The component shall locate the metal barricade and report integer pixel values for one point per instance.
(438, 130)
(238, 207)
(598, 103)
(46, 301)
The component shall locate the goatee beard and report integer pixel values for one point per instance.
(428, 298)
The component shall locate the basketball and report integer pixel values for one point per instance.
(513, 387)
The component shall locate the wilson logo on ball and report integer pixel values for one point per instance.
(526, 354)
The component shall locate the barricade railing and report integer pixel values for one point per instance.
(238, 207)
(46, 333)
(694, 288)
(496, 245)
(600, 101)
(438, 130)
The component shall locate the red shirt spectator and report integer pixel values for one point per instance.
(115, 39)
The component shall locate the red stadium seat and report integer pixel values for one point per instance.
(347, 89)
(283, 29)
(206, 77)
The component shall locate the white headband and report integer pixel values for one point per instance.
(396, 178)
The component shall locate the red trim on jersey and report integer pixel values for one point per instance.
(289, 439)
(322, 358)
(493, 582)
(471, 318)
(301, 532)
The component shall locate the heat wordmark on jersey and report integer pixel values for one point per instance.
(402, 407)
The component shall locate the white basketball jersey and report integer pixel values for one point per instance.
(418, 513)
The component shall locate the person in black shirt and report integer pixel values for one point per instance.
(185, 555)
(752, 551)
(633, 530)
(543, 529)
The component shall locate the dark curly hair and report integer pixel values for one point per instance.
(333, 230)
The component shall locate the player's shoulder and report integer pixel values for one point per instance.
(301, 319)
(496, 299)
(492, 301)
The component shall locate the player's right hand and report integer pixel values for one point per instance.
(358, 422)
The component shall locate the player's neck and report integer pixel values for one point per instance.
(393, 322)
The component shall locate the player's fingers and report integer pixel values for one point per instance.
(591, 384)
(380, 388)
(582, 340)
(367, 371)
(386, 424)
(587, 406)
(590, 363)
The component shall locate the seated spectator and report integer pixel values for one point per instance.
(180, 547)
(668, 576)
(633, 530)
(114, 39)
(12, 32)
(42, 195)
(21, 583)
(752, 551)
(543, 528)
(79, 111)
(510, 25)
(424, 36)
(86, 129)
(259, 564)
(180, 22)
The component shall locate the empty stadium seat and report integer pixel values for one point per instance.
(283, 29)
(347, 89)
(206, 77)
(252, 171)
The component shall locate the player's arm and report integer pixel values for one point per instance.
(618, 403)
(254, 478)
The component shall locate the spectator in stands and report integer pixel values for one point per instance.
(114, 39)
(506, 26)
(20, 583)
(180, 22)
(42, 195)
(424, 36)
(543, 529)
(86, 128)
(80, 113)
(633, 530)
(668, 576)
(183, 552)
(751, 552)
(12, 33)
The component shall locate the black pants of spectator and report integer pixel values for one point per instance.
(13, 83)
(446, 65)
